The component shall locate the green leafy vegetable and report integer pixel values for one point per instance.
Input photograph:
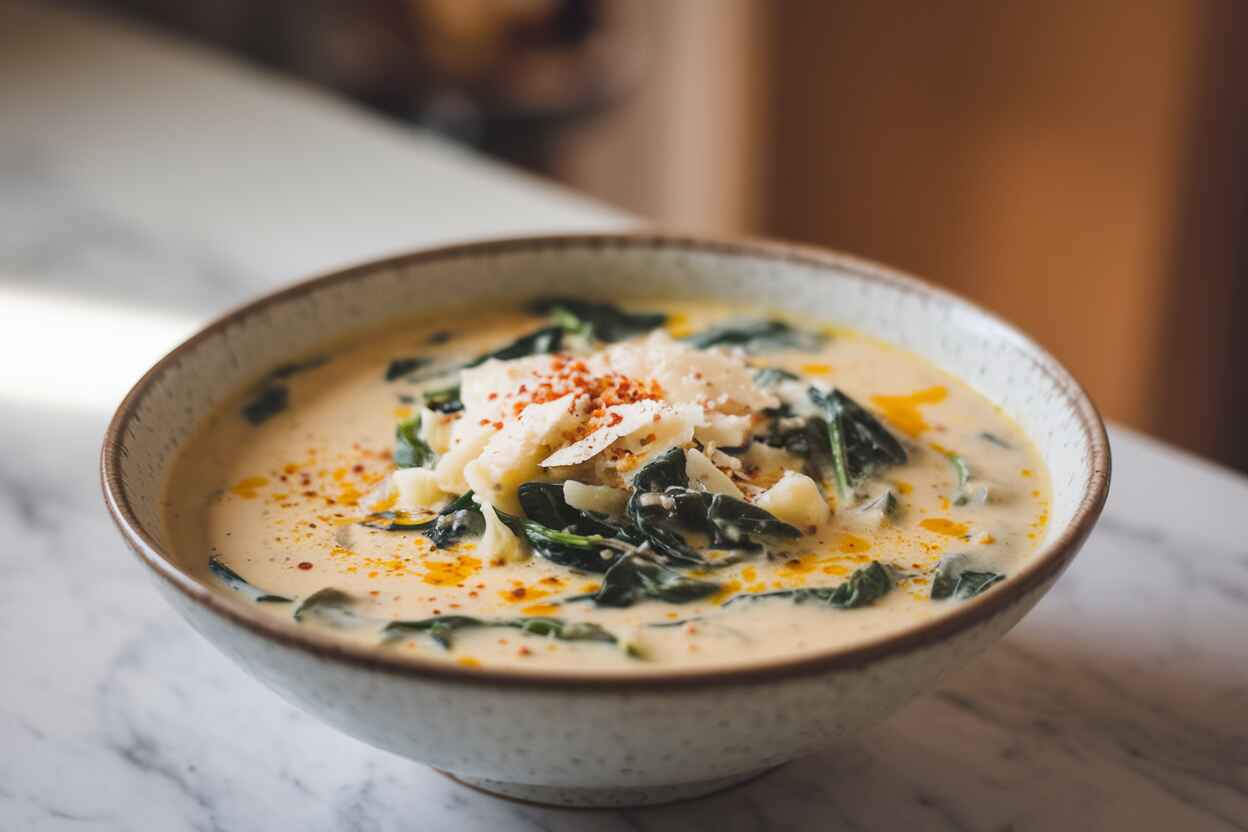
(632, 579)
(442, 628)
(271, 396)
(329, 606)
(757, 336)
(589, 553)
(461, 518)
(866, 586)
(410, 451)
(266, 404)
(444, 400)
(771, 376)
(961, 496)
(543, 341)
(886, 504)
(992, 438)
(602, 321)
(400, 367)
(861, 446)
(662, 501)
(954, 579)
(239, 584)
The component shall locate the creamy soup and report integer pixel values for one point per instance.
(572, 485)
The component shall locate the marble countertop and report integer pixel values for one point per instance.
(146, 186)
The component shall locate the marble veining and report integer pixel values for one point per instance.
(1119, 702)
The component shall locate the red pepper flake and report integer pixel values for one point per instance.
(492, 396)
(357, 468)
(305, 566)
(498, 426)
(524, 651)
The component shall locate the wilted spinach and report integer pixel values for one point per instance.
(543, 341)
(632, 578)
(860, 445)
(961, 496)
(331, 607)
(866, 586)
(601, 321)
(662, 500)
(771, 376)
(757, 336)
(444, 400)
(239, 584)
(400, 367)
(442, 628)
(271, 396)
(462, 517)
(993, 439)
(410, 451)
(954, 579)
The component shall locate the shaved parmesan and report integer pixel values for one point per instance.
(600, 498)
(706, 477)
(631, 418)
(512, 455)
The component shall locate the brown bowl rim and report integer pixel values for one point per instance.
(1047, 563)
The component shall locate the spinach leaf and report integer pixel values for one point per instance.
(329, 606)
(543, 341)
(602, 321)
(444, 400)
(771, 376)
(462, 517)
(866, 586)
(661, 500)
(442, 628)
(954, 579)
(544, 503)
(237, 583)
(757, 336)
(804, 437)
(271, 396)
(666, 469)
(410, 451)
(886, 504)
(271, 400)
(400, 367)
(632, 579)
(961, 496)
(861, 446)
(992, 438)
(589, 553)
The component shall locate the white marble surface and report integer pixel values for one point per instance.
(145, 187)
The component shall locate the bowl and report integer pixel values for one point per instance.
(585, 738)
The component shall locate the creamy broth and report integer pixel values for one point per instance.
(288, 491)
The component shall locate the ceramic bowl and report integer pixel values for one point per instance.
(585, 739)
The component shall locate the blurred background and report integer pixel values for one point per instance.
(1078, 167)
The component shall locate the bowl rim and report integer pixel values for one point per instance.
(1047, 562)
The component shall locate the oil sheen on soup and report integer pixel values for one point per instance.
(575, 485)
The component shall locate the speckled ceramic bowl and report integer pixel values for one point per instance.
(588, 740)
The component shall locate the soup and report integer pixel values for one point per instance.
(577, 485)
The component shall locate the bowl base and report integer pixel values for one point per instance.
(624, 797)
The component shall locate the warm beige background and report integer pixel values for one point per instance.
(1069, 164)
